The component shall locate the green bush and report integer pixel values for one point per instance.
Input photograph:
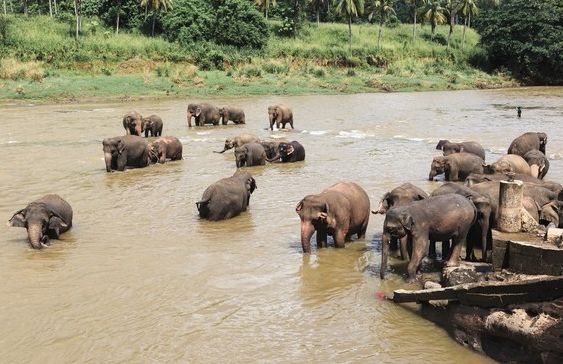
(525, 37)
(238, 23)
(188, 21)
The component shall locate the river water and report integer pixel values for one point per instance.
(139, 278)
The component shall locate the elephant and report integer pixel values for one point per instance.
(127, 150)
(289, 152)
(153, 125)
(280, 114)
(239, 141)
(250, 154)
(538, 200)
(163, 148)
(227, 197)
(438, 218)
(272, 147)
(342, 210)
(475, 178)
(456, 167)
(509, 163)
(44, 218)
(235, 114)
(133, 123)
(538, 162)
(526, 142)
(203, 114)
(481, 228)
(468, 147)
(400, 196)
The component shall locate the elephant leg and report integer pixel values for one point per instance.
(321, 238)
(446, 250)
(339, 238)
(291, 123)
(121, 162)
(404, 243)
(362, 232)
(457, 244)
(146, 133)
(432, 249)
(420, 248)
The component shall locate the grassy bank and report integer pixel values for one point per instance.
(42, 61)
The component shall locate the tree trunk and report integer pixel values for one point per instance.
(414, 24)
(350, 31)
(50, 8)
(463, 39)
(452, 18)
(153, 22)
(469, 20)
(266, 11)
(5, 7)
(55, 6)
(76, 15)
(318, 21)
(117, 22)
(379, 36)
(25, 7)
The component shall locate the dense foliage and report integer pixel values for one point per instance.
(525, 36)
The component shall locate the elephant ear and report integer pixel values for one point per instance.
(440, 144)
(407, 221)
(120, 146)
(56, 223)
(18, 220)
(550, 212)
(324, 213)
(290, 149)
(299, 206)
(251, 184)
(197, 111)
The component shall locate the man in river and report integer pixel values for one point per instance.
(519, 111)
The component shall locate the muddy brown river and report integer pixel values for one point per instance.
(140, 279)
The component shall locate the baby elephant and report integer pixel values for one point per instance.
(235, 114)
(163, 148)
(152, 125)
(342, 210)
(239, 141)
(44, 218)
(289, 152)
(251, 154)
(227, 197)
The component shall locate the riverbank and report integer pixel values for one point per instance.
(42, 62)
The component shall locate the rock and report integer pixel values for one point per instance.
(529, 224)
(554, 236)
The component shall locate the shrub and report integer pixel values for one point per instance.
(238, 23)
(12, 69)
(188, 21)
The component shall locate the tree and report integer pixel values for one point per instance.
(265, 4)
(118, 14)
(155, 6)
(317, 5)
(468, 8)
(414, 4)
(349, 8)
(77, 12)
(524, 37)
(383, 7)
(451, 8)
(434, 13)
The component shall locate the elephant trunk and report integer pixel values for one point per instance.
(35, 235)
(307, 230)
(431, 175)
(108, 157)
(535, 170)
(384, 254)
(189, 119)
(223, 151)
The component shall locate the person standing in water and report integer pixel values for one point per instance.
(519, 111)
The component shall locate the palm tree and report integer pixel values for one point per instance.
(155, 6)
(468, 8)
(77, 6)
(383, 7)
(433, 12)
(350, 8)
(118, 13)
(451, 8)
(317, 4)
(266, 5)
(414, 4)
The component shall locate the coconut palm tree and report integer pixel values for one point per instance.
(118, 14)
(349, 8)
(384, 8)
(433, 12)
(265, 4)
(155, 6)
(414, 4)
(451, 8)
(317, 4)
(467, 8)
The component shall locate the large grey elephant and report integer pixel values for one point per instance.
(289, 152)
(44, 218)
(481, 229)
(133, 123)
(475, 178)
(438, 218)
(509, 163)
(203, 114)
(239, 141)
(528, 141)
(235, 114)
(125, 151)
(227, 197)
(342, 210)
(538, 162)
(250, 154)
(456, 167)
(280, 115)
(152, 125)
(468, 147)
(167, 147)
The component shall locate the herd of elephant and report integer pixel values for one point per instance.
(414, 220)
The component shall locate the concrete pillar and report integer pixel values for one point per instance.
(510, 206)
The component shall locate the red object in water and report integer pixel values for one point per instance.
(380, 295)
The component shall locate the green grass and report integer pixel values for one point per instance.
(103, 64)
